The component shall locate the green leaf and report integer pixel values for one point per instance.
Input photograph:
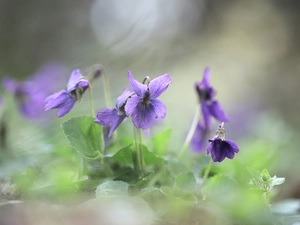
(176, 167)
(186, 181)
(254, 174)
(178, 195)
(257, 184)
(85, 136)
(277, 180)
(147, 191)
(150, 158)
(161, 141)
(221, 190)
(124, 155)
(112, 188)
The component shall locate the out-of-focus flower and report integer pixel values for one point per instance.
(220, 148)
(30, 94)
(200, 137)
(145, 107)
(209, 106)
(113, 117)
(64, 100)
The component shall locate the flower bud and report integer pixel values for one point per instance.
(265, 175)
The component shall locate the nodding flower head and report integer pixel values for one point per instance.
(209, 106)
(220, 148)
(204, 90)
(113, 117)
(64, 100)
(144, 107)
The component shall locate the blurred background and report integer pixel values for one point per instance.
(252, 48)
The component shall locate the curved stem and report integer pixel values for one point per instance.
(95, 71)
(190, 134)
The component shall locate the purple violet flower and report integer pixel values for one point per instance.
(209, 106)
(114, 116)
(220, 148)
(30, 94)
(199, 139)
(145, 107)
(64, 100)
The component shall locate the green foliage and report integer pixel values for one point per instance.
(176, 167)
(262, 180)
(186, 181)
(24, 181)
(161, 141)
(148, 191)
(124, 155)
(112, 188)
(221, 190)
(172, 187)
(178, 196)
(85, 136)
(150, 158)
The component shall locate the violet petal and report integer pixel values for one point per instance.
(106, 116)
(158, 85)
(206, 77)
(216, 111)
(199, 139)
(206, 115)
(143, 116)
(55, 100)
(136, 86)
(159, 108)
(233, 146)
(115, 123)
(217, 153)
(66, 106)
(123, 97)
(131, 105)
(74, 80)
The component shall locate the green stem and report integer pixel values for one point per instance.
(137, 165)
(207, 171)
(92, 101)
(190, 134)
(82, 167)
(141, 150)
(268, 206)
(156, 177)
(268, 198)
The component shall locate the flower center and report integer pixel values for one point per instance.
(146, 98)
(21, 97)
(205, 95)
(77, 93)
